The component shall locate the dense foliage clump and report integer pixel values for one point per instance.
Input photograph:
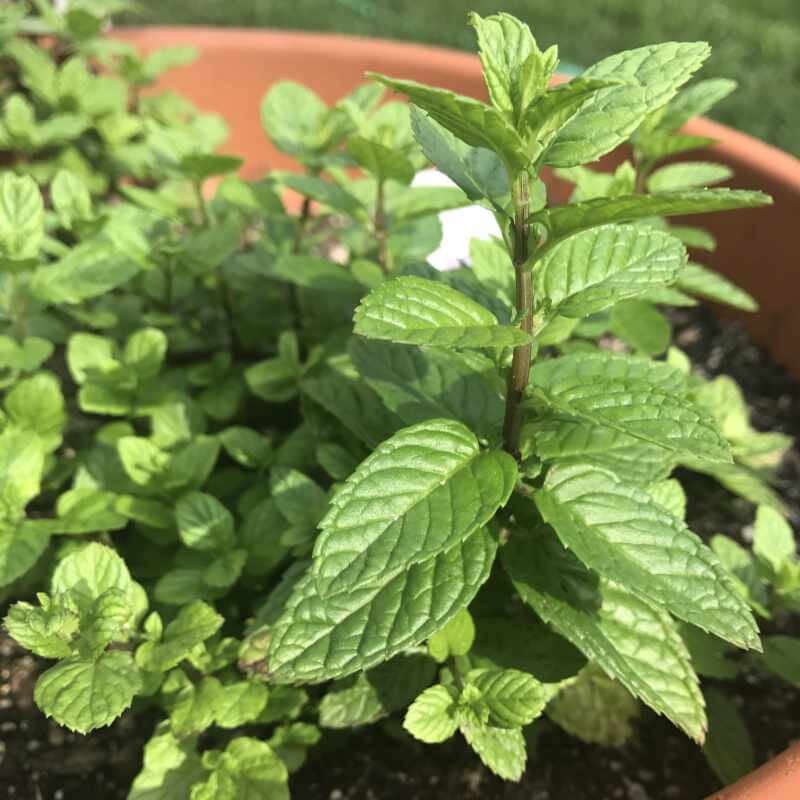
(274, 474)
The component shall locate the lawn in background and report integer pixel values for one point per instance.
(755, 42)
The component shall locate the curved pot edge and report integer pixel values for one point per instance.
(778, 779)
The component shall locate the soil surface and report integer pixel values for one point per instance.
(41, 761)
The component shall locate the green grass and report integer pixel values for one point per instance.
(755, 42)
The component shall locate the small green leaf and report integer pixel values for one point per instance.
(502, 750)
(204, 523)
(248, 769)
(85, 695)
(431, 718)
(89, 572)
(782, 656)
(145, 351)
(239, 703)
(728, 746)
(688, 175)
(699, 280)
(514, 698)
(171, 767)
(45, 630)
(643, 547)
(71, 199)
(693, 101)
(641, 326)
(194, 624)
(773, 538)
(201, 166)
(455, 639)
(595, 708)
(36, 404)
(477, 171)
(413, 310)
(380, 161)
(21, 217)
(21, 546)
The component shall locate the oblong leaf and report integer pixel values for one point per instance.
(619, 531)
(413, 310)
(419, 493)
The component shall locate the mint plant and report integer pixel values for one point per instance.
(273, 474)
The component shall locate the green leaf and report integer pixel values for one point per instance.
(325, 192)
(365, 698)
(143, 462)
(728, 747)
(782, 656)
(687, 175)
(595, 708)
(248, 769)
(597, 268)
(651, 76)
(431, 718)
(21, 546)
(204, 523)
(21, 217)
(311, 272)
(633, 396)
(21, 465)
(316, 638)
(45, 630)
(514, 69)
(246, 446)
(693, 101)
(641, 326)
(773, 538)
(417, 311)
(475, 123)
(709, 654)
(699, 280)
(71, 199)
(514, 698)
(564, 221)
(290, 114)
(423, 491)
(297, 497)
(669, 494)
(145, 351)
(477, 171)
(83, 695)
(171, 767)
(107, 620)
(36, 404)
(194, 623)
(656, 146)
(239, 703)
(454, 639)
(291, 743)
(89, 572)
(618, 530)
(420, 201)
(25, 357)
(417, 384)
(382, 162)
(627, 637)
(90, 269)
(201, 166)
(502, 750)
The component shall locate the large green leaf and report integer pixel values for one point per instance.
(83, 695)
(21, 217)
(417, 384)
(633, 396)
(563, 221)
(651, 76)
(170, 769)
(316, 639)
(699, 280)
(619, 531)
(421, 492)
(627, 637)
(596, 268)
(470, 120)
(413, 310)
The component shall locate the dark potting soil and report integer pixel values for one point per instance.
(41, 761)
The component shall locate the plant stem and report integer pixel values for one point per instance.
(205, 216)
(380, 229)
(521, 361)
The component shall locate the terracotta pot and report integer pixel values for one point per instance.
(236, 67)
